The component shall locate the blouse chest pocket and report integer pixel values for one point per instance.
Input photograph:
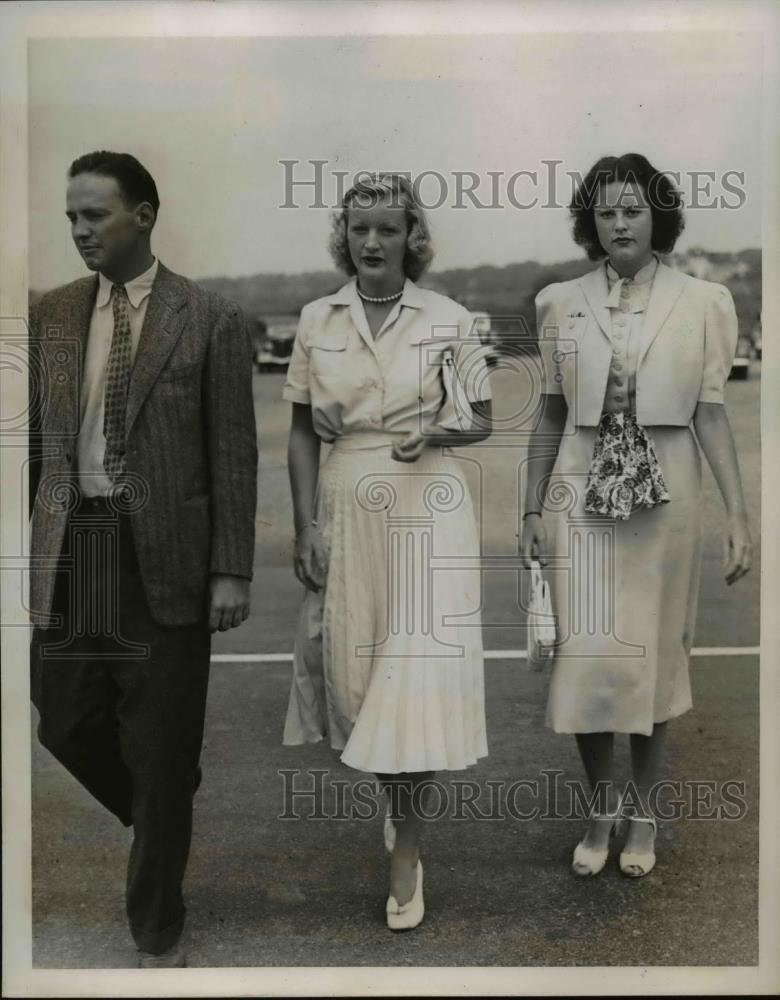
(328, 354)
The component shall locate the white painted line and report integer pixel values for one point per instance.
(490, 654)
(521, 654)
(251, 658)
(725, 651)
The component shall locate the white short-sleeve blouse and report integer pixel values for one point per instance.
(355, 382)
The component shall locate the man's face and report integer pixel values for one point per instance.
(106, 232)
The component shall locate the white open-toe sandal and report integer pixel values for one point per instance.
(588, 861)
(635, 864)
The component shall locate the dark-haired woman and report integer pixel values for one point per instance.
(400, 689)
(634, 355)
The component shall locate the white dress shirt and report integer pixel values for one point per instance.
(91, 446)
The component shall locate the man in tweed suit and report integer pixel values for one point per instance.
(143, 486)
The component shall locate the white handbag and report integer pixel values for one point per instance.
(541, 620)
(455, 413)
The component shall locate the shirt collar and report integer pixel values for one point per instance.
(411, 296)
(642, 277)
(637, 288)
(137, 290)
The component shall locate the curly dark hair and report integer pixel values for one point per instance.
(368, 191)
(663, 197)
(134, 180)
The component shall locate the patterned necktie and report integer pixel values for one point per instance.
(117, 381)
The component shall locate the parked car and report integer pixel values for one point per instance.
(740, 369)
(756, 337)
(487, 337)
(273, 350)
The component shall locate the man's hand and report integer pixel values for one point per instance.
(229, 601)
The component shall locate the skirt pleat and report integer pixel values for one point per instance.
(394, 675)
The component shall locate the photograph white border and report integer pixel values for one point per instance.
(22, 21)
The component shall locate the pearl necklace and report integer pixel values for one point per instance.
(377, 300)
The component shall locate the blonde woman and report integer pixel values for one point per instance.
(400, 692)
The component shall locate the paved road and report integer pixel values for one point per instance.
(266, 891)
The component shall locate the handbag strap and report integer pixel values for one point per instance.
(537, 580)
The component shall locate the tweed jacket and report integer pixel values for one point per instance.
(688, 341)
(191, 446)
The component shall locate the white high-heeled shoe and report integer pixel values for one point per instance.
(642, 862)
(588, 861)
(404, 918)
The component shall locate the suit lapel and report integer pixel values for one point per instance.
(67, 350)
(595, 289)
(667, 287)
(163, 325)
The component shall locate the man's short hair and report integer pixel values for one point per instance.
(134, 180)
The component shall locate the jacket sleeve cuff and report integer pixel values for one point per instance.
(224, 572)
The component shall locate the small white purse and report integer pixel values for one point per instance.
(541, 620)
(455, 413)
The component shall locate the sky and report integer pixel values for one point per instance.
(213, 119)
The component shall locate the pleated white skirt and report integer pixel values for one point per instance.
(388, 660)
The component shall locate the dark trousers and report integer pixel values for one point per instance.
(122, 702)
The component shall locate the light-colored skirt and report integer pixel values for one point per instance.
(388, 661)
(625, 593)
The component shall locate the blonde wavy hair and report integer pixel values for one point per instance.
(370, 190)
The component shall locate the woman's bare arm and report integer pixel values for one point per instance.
(713, 430)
